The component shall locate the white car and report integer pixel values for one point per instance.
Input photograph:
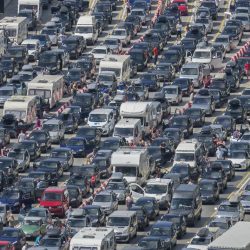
(140, 13)
(121, 34)
(100, 52)
(240, 159)
(114, 44)
(207, 22)
(173, 94)
(34, 48)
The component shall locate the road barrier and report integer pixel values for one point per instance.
(241, 52)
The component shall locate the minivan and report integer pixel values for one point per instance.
(124, 223)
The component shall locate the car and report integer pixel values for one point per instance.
(223, 224)
(197, 115)
(151, 242)
(32, 227)
(149, 81)
(165, 72)
(166, 231)
(64, 155)
(27, 186)
(212, 7)
(234, 32)
(179, 221)
(32, 146)
(39, 213)
(15, 236)
(100, 52)
(225, 41)
(184, 123)
(42, 138)
(231, 209)
(210, 192)
(114, 44)
(206, 103)
(110, 143)
(174, 134)
(75, 75)
(142, 217)
(173, 94)
(75, 196)
(9, 166)
(219, 176)
(107, 200)
(182, 6)
(227, 122)
(186, 85)
(81, 182)
(139, 58)
(22, 156)
(236, 110)
(96, 214)
(240, 159)
(91, 134)
(245, 201)
(151, 206)
(120, 189)
(173, 57)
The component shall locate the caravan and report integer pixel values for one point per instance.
(34, 5)
(98, 238)
(22, 107)
(16, 28)
(120, 64)
(50, 87)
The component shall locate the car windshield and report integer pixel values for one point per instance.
(32, 222)
(84, 29)
(223, 121)
(123, 132)
(161, 231)
(103, 198)
(246, 137)
(28, 145)
(206, 186)
(201, 54)
(189, 71)
(76, 181)
(144, 203)
(127, 171)
(136, 56)
(16, 155)
(77, 222)
(26, 184)
(115, 186)
(171, 57)
(99, 51)
(75, 142)
(156, 189)
(200, 241)
(179, 122)
(230, 30)
(170, 91)
(6, 92)
(109, 144)
(98, 118)
(239, 146)
(222, 40)
(50, 242)
(86, 131)
(9, 233)
(202, 20)
(48, 164)
(36, 213)
(219, 224)
(118, 221)
(105, 78)
(228, 208)
(198, 100)
(50, 196)
(193, 112)
(111, 42)
(59, 154)
(238, 155)
(180, 169)
(92, 211)
(11, 194)
(245, 197)
(242, 18)
(181, 203)
(148, 244)
(49, 31)
(50, 127)
(184, 157)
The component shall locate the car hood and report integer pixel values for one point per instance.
(102, 204)
(10, 239)
(189, 76)
(221, 214)
(119, 229)
(50, 203)
(8, 201)
(201, 106)
(237, 161)
(245, 203)
(206, 193)
(28, 229)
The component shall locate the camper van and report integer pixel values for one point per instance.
(130, 129)
(50, 87)
(87, 28)
(120, 64)
(133, 163)
(35, 5)
(98, 238)
(103, 119)
(16, 28)
(22, 107)
(145, 111)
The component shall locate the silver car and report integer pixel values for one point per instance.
(225, 41)
(245, 19)
(206, 103)
(207, 22)
(245, 201)
(114, 44)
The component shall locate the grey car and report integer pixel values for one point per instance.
(107, 200)
(120, 189)
(225, 41)
(206, 103)
(245, 201)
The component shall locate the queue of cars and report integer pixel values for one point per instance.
(134, 110)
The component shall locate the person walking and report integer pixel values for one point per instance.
(68, 212)
(247, 69)
(179, 30)
(220, 153)
(155, 53)
(10, 219)
(129, 201)
(21, 136)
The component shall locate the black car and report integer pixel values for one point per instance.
(207, 141)
(221, 85)
(186, 85)
(81, 182)
(149, 80)
(154, 39)
(173, 57)
(245, 102)
(44, 39)
(32, 146)
(158, 157)
(174, 134)
(52, 166)
(74, 45)
(234, 32)
(142, 217)
(227, 122)
(4, 137)
(105, 8)
(27, 185)
(179, 221)
(51, 62)
(219, 100)
(151, 206)
(197, 115)
(64, 155)
(96, 214)
(9, 66)
(228, 167)
(236, 110)
(139, 58)
(91, 134)
(218, 176)
(136, 20)
(31, 17)
(147, 47)
(210, 191)
(165, 72)
(42, 138)
(19, 54)
(237, 70)
(189, 44)
(195, 33)
(184, 123)
(69, 120)
(212, 7)
(110, 143)
(75, 196)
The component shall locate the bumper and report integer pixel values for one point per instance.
(247, 209)
(207, 200)
(122, 237)
(56, 211)
(239, 167)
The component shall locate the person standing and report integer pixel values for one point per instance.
(219, 153)
(179, 30)
(247, 69)
(155, 53)
(21, 136)
(129, 201)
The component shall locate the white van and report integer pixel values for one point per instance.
(130, 129)
(120, 64)
(50, 87)
(96, 238)
(144, 111)
(16, 28)
(86, 27)
(103, 119)
(35, 5)
(22, 107)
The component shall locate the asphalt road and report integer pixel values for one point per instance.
(208, 210)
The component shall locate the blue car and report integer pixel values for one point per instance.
(166, 231)
(149, 80)
(91, 134)
(15, 236)
(14, 198)
(79, 146)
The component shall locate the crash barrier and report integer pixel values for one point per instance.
(64, 106)
(241, 52)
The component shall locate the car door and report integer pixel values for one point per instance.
(136, 191)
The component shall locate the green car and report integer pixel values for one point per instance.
(33, 226)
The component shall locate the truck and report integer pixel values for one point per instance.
(120, 64)
(235, 238)
(34, 5)
(145, 111)
(133, 163)
(15, 27)
(98, 238)
(49, 87)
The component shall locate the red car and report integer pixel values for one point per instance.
(6, 245)
(55, 199)
(182, 6)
